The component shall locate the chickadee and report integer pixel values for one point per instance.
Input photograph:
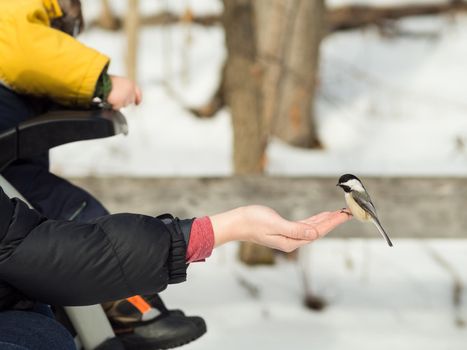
(359, 202)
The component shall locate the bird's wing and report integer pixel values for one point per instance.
(363, 199)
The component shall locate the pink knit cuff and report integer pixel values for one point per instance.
(201, 240)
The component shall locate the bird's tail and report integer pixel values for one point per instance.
(382, 231)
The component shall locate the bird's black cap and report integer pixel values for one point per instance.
(347, 177)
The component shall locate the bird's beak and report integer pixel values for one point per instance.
(338, 185)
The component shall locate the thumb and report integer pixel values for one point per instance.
(301, 231)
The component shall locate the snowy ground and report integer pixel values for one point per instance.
(377, 299)
(385, 105)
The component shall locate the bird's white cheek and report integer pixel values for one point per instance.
(356, 210)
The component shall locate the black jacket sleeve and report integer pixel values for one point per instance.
(68, 263)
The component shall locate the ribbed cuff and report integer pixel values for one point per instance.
(201, 240)
(176, 261)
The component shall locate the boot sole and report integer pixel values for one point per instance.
(137, 342)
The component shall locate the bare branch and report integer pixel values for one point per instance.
(161, 19)
(357, 16)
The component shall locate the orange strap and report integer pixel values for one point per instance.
(139, 303)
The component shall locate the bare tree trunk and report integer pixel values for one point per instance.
(132, 31)
(253, 254)
(269, 81)
(242, 83)
(273, 48)
(289, 35)
(243, 87)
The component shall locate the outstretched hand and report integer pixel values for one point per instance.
(264, 226)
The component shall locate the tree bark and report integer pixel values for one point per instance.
(270, 75)
(289, 33)
(242, 82)
(269, 81)
(243, 87)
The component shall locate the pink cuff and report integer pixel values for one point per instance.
(201, 240)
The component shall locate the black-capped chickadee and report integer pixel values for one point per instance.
(359, 202)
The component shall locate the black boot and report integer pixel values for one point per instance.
(170, 330)
(131, 319)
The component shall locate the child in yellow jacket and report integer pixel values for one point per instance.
(38, 60)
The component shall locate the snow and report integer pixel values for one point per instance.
(385, 105)
(376, 298)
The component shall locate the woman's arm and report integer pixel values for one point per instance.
(116, 256)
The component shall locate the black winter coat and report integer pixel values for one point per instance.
(69, 263)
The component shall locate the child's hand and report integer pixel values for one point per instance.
(262, 225)
(124, 93)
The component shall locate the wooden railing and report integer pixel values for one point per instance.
(408, 207)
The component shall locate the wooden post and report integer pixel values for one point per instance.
(132, 23)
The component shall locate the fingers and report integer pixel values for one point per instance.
(328, 215)
(341, 216)
(301, 231)
(319, 216)
(330, 222)
(317, 226)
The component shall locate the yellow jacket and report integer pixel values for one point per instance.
(38, 60)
